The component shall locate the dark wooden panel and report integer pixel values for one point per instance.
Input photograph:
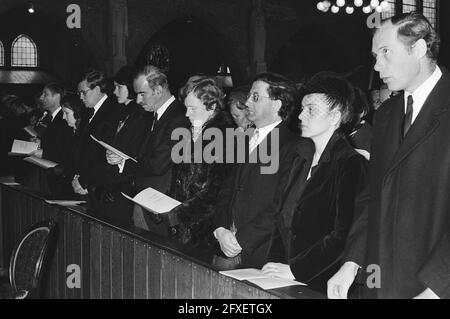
(85, 260)
(154, 272)
(140, 271)
(169, 276)
(117, 266)
(221, 286)
(95, 270)
(243, 291)
(128, 268)
(184, 288)
(201, 282)
(77, 250)
(105, 275)
(68, 220)
(61, 254)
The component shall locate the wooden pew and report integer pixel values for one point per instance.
(118, 262)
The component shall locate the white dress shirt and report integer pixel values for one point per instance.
(421, 93)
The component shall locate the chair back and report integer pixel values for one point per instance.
(28, 258)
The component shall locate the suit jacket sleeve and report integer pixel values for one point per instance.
(156, 160)
(261, 227)
(435, 272)
(222, 218)
(328, 250)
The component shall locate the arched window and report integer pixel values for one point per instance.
(24, 52)
(2, 54)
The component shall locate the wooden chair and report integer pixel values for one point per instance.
(29, 259)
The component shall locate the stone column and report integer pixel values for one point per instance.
(118, 22)
(257, 38)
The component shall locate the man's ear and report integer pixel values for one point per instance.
(277, 104)
(420, 48)
(157, 89)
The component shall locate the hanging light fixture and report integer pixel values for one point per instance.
(30, 7)
(367, 6)
(224, 76)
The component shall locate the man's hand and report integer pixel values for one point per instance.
(37, 153)
(427, 294)
(339, 284)
(228, 242)
(113, 159)
(278, 270)
(77, 188)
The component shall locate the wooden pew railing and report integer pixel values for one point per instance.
(119, 262)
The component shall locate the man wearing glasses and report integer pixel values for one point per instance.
(245, 219)
(101, 123)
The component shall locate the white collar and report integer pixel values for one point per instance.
(164, 107)
(99, 103)
(262, 133)
(421, 93)
(55, 112)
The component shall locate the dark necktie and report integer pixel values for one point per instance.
(155, 119)
(90, 113)
(407, 119)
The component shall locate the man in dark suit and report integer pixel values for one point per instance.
(154, 164)
(56, 141)
(101, 123)
(244, 220)
(401, 239)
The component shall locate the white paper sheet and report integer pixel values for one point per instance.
(65, 202)
(41, 162)
(258, 278)
(154, 201)
(23, 147)
(114, 150)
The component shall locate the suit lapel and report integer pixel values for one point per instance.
(425, 124)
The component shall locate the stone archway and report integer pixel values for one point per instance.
(193, 47)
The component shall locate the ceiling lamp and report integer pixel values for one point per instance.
(367, 6)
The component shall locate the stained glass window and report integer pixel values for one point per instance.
(409, 5)
(390, 11)
(2, 54)
(430, 11)
(24, 52)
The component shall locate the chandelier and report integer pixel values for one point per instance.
(367, 6)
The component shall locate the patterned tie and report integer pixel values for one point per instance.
(407, 119)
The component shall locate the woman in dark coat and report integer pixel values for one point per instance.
(197, 185)
(310, 238)
(132, 126)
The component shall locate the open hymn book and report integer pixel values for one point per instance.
(20, 147)
(113, 149)
(154, 201)
(256, 277)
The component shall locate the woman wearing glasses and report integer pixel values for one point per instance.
(319, 204)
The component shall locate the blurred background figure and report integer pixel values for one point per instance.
(238, 109)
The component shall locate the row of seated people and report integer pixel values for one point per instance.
(289, 216)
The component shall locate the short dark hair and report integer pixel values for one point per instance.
(73, 102)
(413, 26)
(95, 78)
(56, 88)
(206, 90)
(125, 77)
(280, 88)
(339, 93)
(154, 76)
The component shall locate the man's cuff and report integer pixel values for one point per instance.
(215, 232)
(121, 166)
